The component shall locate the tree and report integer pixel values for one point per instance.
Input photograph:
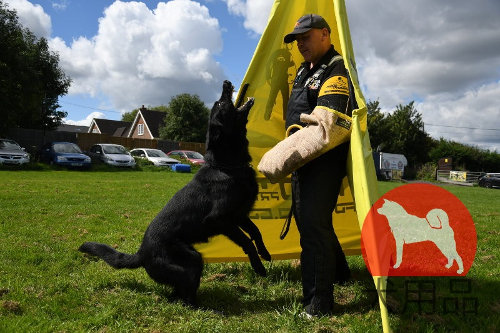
(401, 132)
(130, 116)
(186, 119)
(408, 136)
(378, 125)
(30, 78)
(466, 157)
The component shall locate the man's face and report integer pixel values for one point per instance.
(311, 44)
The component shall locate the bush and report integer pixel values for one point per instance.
(141, 162)
(466, 157)
(427, 172)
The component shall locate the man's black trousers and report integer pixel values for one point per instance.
(315, 189)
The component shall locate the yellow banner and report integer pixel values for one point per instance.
(269, 79)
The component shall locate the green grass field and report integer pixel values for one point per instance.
(46, 285)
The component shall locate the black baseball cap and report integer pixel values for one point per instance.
(306, 23)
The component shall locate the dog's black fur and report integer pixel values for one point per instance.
(216, 201)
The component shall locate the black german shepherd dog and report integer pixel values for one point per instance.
(216, 201)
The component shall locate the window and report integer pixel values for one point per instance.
(140, 129)
(137, 152)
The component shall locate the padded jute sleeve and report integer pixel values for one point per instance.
(326, 128)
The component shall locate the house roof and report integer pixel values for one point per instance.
(112, 127)
(121, 131)
(72, 128)
(153, 119)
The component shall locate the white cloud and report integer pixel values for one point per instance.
(254, 12)
(86, 121)
(472, 118)
(60, 5)
(444, 55)
(32, 17)
(142, 56)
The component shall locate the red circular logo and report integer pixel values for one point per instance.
(418, 230)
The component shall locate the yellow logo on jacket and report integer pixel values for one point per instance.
(335, 85)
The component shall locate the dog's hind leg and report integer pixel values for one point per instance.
(448, 248)
(250, 228)
(452, 255)
(235, 234)
(460, 264)
(181, 269)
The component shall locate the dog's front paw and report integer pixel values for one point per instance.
(262, 250)
(262, 272)
(259, 268)
(264, 254)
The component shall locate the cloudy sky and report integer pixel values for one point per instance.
(444, 55)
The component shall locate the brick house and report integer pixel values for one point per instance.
(146, 124)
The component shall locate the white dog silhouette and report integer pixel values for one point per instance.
(407, 228)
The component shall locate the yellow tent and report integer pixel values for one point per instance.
(268, 79)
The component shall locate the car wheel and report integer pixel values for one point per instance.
(488, 185)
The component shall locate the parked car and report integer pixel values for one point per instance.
(192, 156)
(65, 154)
(490, 180)
(111, 154)
(158, 157)
(12, 153)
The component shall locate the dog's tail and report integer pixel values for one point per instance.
(437, 219)
(111, 256)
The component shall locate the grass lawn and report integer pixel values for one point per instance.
(46, 285)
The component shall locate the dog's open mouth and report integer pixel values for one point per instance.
(227, 95)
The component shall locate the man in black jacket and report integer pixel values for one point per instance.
(318, 124)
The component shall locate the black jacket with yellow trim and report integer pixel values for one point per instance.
(330, 89)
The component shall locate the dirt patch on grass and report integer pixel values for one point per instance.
(12, 307)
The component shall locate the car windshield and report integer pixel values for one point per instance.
(9, 145)
(155, 153)
(114, 150)
(67, 148)
(193, 154)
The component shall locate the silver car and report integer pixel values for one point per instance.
(12, 153)
(111, 154)
(158, 157)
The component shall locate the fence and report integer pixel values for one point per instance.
(33, 140)
(467, 178)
